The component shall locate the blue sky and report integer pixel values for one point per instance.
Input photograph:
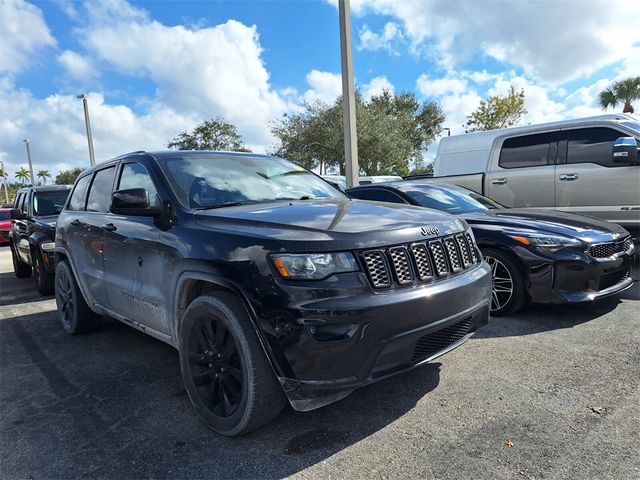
(152, 69)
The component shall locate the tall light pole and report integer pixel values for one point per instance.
(348, 96)
(33, 181)
(85, 104)
(4, 182)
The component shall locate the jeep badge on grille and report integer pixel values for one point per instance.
(427, 231)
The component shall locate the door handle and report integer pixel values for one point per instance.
(75, 222)
(499, 181)
(569, 177)
(109, 227)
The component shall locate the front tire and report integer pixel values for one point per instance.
(21, 269)
(508, 287)
(45, 281)
(75, 315)
(226, 373)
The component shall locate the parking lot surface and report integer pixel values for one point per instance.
(551, 392)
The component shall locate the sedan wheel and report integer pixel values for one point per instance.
(507, 291)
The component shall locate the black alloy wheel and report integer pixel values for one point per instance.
(75, 315)
(507, 289)
(226, 373)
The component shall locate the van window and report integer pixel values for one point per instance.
(79, 194)
(525, 151)
(592, 145)
(99, 197)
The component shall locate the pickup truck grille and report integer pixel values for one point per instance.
(420, 262)
(604, 250)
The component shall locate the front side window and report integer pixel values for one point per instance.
(525, 151)
(79, 195)
(135, 175)
(100, 191)
(209, 181)
(49, 202)
(593, 145)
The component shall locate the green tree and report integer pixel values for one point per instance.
(22, 175)
(43, 174)
(68, 177)
(393, 132)
(497, 112)
(623, 91)
(215, 134)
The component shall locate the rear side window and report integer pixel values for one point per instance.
(377, 195)
(525, 151)
(79, 194)
(135, 175)
(100, 191)
(592, 145)
(18, 201)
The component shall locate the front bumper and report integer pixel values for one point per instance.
(572, 276)
(333, 346)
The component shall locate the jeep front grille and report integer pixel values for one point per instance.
(419, 262)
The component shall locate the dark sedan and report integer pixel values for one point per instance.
(539, 256)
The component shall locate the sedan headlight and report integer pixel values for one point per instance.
(549, 243)
(313, 266)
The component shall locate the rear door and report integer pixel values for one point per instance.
(590, 183)
(522, 172)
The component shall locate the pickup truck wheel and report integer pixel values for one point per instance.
(44, 280)
(225, 370)
(508, 288)
(21, 269)
(75, 315)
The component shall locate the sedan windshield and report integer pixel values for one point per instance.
(212, 180)
(49, 202)
(454, 200)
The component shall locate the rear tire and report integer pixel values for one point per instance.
(225, 370)
(75, 315)
(21, 269)
(508, 286)
(45, 281)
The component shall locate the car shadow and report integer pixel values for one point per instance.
(114, 406)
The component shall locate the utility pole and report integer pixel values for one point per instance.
(4, 182)
(33, 181)
(348, 97)
(87, 122)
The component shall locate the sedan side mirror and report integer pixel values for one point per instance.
(133, 201)
(625, 150)
(17, 214)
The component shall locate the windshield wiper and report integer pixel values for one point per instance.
(222, 205)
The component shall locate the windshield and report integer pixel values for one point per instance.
(49, 203)
(453, 200)
(214, 180)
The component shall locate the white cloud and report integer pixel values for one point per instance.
(325, 86)
(389, 38)
(376, 86)
(77, 66)
(551, 41)
(433, 87)
(23, 32)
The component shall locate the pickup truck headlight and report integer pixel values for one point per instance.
(544, 242)
(48, 246)
(313, 266)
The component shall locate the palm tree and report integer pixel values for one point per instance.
(22, 175)
(623, 91)
(44, 174)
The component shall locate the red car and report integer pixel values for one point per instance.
(5, 225)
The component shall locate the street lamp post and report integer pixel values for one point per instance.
(4, 182)
(448, 131)
(87, 122)
(33, 181)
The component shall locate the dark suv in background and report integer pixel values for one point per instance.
(34, 214)
(271, 283)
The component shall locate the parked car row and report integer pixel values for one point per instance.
(276, 287)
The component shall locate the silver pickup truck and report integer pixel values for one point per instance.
(587, 166)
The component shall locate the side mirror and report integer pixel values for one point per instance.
(625, 150)
(133, 201)
(17, 214)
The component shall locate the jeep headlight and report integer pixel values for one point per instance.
(313, 266)
(544, 242)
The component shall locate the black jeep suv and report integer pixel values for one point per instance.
(272, 284)
(34, 215)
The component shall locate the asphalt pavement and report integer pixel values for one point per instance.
(550, 392)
